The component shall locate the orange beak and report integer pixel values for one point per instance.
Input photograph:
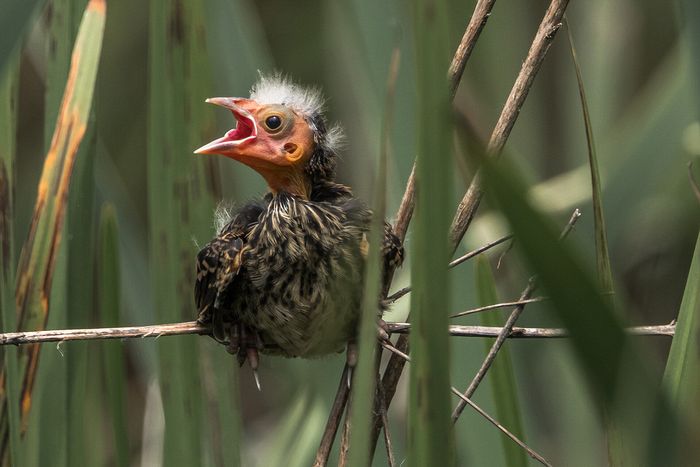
(245, 133)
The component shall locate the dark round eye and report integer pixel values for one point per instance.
(273, 122)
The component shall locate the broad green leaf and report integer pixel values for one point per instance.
(681, 378)
(365, 375)
(109, 302)
(611, 363)
(501, 375)
(180, 208)
(682, 375)
(80, 297)
(431, 437)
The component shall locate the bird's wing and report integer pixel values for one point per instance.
(218, 264)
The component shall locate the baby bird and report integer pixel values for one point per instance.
(284, 273)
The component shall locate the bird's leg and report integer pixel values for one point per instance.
(234, 340)
(246, 345)
(351, 359)
(351, 354)
(242, 344)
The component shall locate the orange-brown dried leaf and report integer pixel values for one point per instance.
(39, 252)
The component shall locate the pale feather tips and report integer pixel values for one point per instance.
(222, 216)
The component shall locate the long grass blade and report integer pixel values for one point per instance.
(14, 21)
(80, 297)
(601, 240)
(180, 208)
(109, 302)
(682, 375)
(431, 437)
(40, 251)
(502, 377)
(9, 387)
(614, 436)
(364, 382)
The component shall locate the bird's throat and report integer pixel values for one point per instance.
(294, 181)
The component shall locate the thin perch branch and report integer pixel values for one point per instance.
(531, 333)
(192, 327)
(127, 332)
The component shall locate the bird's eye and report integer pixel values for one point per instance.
(273, 122)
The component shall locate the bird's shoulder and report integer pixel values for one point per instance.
(340, 197)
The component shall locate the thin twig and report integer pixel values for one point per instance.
(478, 251)
(343, 455)
(192, 327)
(570, 225)
(156, 330)
(497, 306)
(509, 115)
(401, 292)
(526, 333)
(481, 14)
(503, 429)
(385, 424)
(548, 28)
(334, 417)
(481, 412)
(507, 328)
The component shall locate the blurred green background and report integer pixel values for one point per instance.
(180, 400)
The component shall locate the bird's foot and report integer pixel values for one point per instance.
(352, 352)
(382, 331)
(245, 342)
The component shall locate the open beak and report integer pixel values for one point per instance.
(246, 129)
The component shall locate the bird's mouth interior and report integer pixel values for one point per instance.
(245, 127)
(245, 130)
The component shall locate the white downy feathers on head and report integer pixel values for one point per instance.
(306, 101)
(278, 89)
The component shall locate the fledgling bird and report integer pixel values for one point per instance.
(284, 273)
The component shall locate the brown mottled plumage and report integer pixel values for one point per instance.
(284, 274)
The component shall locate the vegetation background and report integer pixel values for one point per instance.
(140, 203)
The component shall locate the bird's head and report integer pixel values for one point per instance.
(281, 133)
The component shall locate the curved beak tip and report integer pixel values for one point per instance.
(202, 150)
